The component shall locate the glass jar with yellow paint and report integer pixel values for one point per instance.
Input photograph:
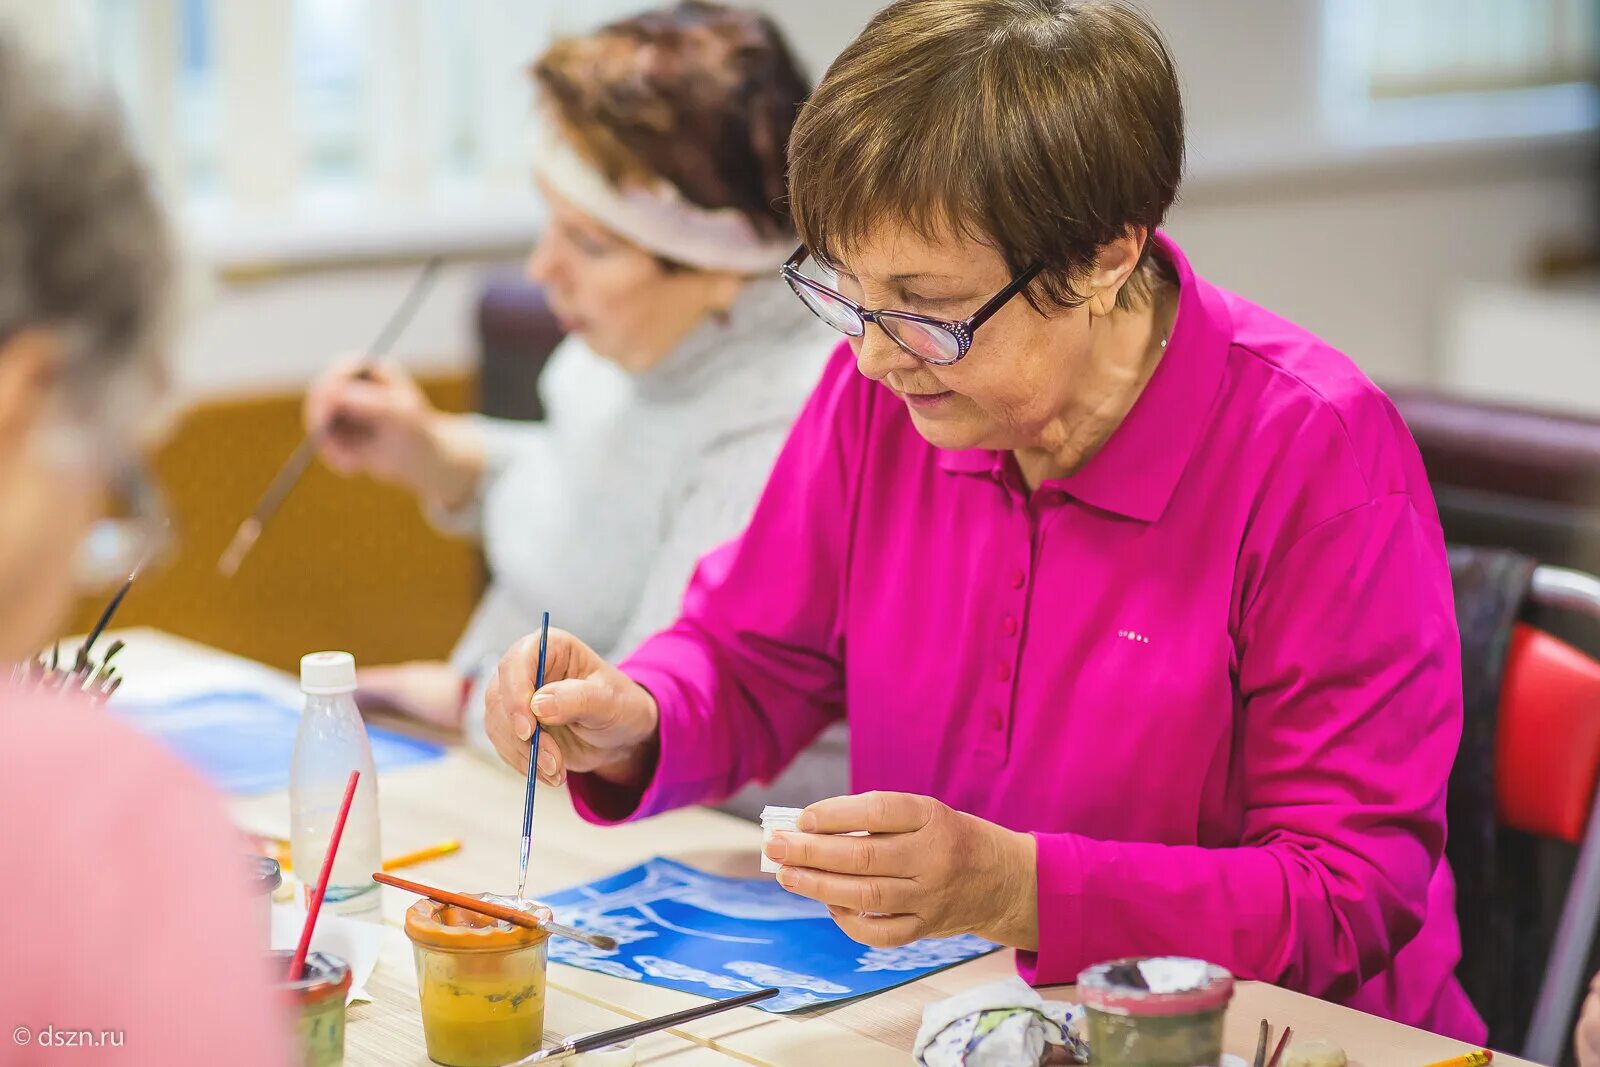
(481, 981)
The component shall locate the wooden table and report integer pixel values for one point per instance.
(464, 796)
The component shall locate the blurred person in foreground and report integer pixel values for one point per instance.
(128, 913)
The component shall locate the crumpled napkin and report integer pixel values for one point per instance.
(355, 941)
(1002, 1024)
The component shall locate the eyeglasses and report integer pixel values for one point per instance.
(937, 341)
(137, 531)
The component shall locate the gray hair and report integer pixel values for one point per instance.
(84, 250)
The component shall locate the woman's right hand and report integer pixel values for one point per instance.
(372, 418)
(428, 690)
(594, 718)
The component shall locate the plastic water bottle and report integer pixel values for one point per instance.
(332, 742)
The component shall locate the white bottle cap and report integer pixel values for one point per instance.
(326, 673)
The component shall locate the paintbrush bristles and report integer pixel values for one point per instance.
(97, 680)
(603, 942)
(636, 1030)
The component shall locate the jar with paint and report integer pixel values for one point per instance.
(481, 982)
(317, 1006)
(1164, 1011)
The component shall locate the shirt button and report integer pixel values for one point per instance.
(1009, 626)
(997, 721)
(1003, 672)
(1018, 578)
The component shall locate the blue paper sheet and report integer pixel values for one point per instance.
(701, 933)
(242, 741)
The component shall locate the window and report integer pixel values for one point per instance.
(331, 74)
(1412, 72)
(199, 104)
(272, 118)
(1428, 47)
(308, 129)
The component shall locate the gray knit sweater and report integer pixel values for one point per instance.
(599, 514)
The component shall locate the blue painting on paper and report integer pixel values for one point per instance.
(243, 741)
(718, 937)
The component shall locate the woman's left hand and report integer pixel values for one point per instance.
(428, 690)
(925, 870)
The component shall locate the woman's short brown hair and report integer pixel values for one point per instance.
(1043, 128)
(700, 94)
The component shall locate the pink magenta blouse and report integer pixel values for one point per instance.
(1215, 671)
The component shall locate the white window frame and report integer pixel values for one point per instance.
(1356, 118)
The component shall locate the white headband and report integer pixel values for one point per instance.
(658, 218)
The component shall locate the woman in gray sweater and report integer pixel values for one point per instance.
(686, 359)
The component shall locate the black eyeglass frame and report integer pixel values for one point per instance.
(961, 329)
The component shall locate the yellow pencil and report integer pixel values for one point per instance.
(443, 848)
(1470, 1059)
(274, 848)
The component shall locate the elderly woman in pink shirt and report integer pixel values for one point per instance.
(1133, 594)
(127, 911)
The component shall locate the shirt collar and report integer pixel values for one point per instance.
(1135, 472)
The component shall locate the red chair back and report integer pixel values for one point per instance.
(1548, 750)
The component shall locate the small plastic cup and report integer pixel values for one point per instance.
(481, 982)
(317, 1001)
(1164, 1011)
(265, 877)
(775, 818)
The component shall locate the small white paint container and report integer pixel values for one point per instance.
(773, 818)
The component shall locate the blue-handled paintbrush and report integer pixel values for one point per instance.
(533, 766)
